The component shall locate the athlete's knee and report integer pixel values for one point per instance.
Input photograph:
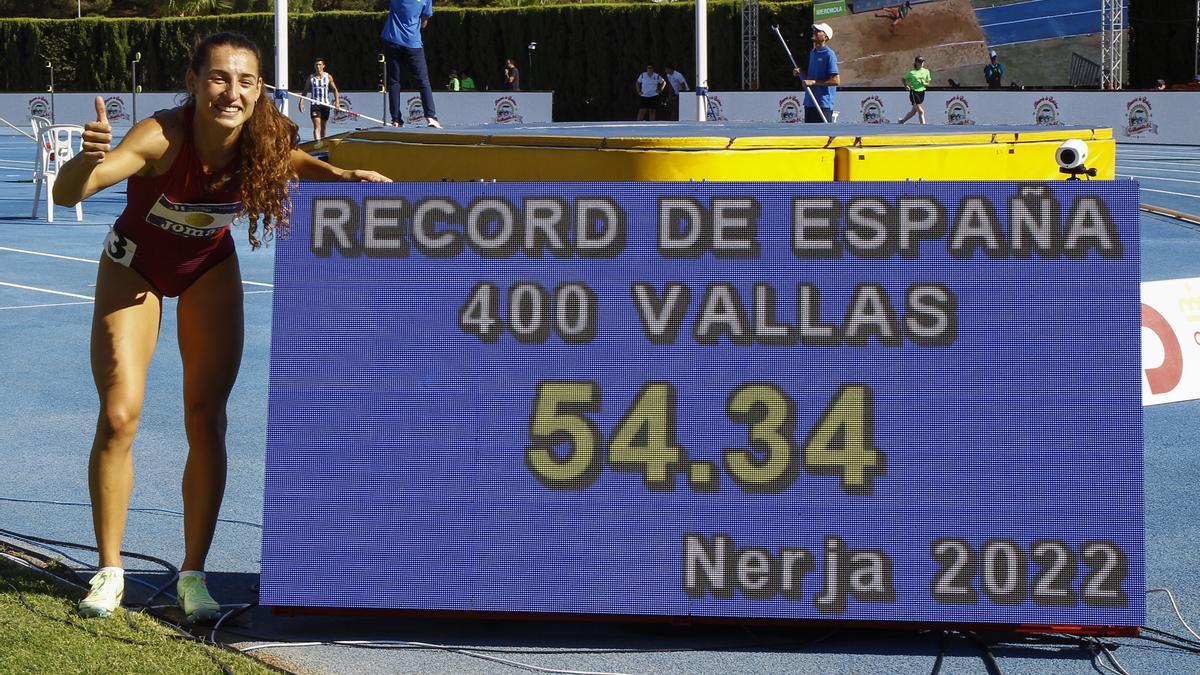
(117, 425)
(206, 416)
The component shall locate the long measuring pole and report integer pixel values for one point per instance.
(281, 55)
(313, 100)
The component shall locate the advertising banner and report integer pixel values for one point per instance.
(828, 9)
(1171, 341)
(1134, 116)
(454, 108)
(915, 402)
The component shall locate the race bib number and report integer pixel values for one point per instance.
(119, 248)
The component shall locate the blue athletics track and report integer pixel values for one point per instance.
(1040, 20)
(48, 409)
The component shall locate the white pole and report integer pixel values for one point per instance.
(281, 55)
(78, 9)
(701, 60)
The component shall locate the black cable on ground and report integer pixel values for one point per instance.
(1186, 648)
(1173, 636)
(86, 547)
(937, 663)
(52, 565)
(131, 509)
(989, 659)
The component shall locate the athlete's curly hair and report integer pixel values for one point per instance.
(265, 145)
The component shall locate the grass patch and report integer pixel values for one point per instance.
(43, 634)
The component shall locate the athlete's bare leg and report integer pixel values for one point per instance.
(125, 324)
(211, 328)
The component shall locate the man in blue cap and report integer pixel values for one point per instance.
(402, 44)
(823, 77)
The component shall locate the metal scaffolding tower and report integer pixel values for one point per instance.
(1112, 44)
(749, 44)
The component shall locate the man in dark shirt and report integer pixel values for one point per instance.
(993, 71)
(512, 76)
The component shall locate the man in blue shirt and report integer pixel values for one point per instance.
(402, 44)
(823, 77)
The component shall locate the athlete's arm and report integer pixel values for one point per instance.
(99, 165)
(337, 97)
(308, 167)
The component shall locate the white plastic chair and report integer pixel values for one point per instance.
(57, 143)
(38, 124)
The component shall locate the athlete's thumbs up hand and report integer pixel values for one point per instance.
(97, 136)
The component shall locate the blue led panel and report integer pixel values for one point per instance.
(853, 401)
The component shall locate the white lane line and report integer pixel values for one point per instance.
(47, 290)
(49, 255)
(97, 262)
(255, 292)
(52, 304)
(1173, 180)
(1156, 156)
(1027, 2)
(1025, 42)
(1037, 18)
(1168, 192)
(1153, 166)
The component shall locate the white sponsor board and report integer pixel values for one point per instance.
(1170, 341)
(1167, 117)
(453, 108)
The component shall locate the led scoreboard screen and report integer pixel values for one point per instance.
(915, 402)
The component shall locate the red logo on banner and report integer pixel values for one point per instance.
(1165, 377)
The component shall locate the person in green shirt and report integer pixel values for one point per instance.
(466, 82)
(916, 81)
(453, 84)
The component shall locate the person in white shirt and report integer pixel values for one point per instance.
(324, 93)
(678, 85)
(649, 85)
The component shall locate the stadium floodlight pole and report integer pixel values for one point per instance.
(383, 84)
(281, 56)
(803, 76)
(531, 49)
(50, 88)
(701, 60)
(135, 87)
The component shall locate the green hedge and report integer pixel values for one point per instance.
(590, 55)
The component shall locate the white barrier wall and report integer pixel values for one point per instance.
(1167, 117)
(453, 108)
(1134, 116)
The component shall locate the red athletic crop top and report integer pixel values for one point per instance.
(175, 209)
